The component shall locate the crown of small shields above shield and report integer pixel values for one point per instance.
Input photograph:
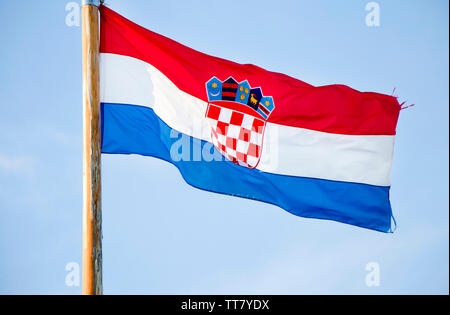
(243, 93)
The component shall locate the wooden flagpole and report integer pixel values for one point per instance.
(92, 214)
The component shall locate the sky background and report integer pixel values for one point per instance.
(162, 236)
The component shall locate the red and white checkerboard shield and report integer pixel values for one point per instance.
(236, 135)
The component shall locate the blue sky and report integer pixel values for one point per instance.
(164, 236)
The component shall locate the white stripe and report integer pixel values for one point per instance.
(286, 150)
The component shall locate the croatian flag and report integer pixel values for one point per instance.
(318, 152)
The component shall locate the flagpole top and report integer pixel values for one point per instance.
(92, 2)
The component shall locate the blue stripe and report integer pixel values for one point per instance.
(130, 129)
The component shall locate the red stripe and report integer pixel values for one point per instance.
(334, 108)
(229, 94)
(230, 85)
(264, 110)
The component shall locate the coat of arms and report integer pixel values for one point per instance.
(237, 115)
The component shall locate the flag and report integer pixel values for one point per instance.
(320, 152)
